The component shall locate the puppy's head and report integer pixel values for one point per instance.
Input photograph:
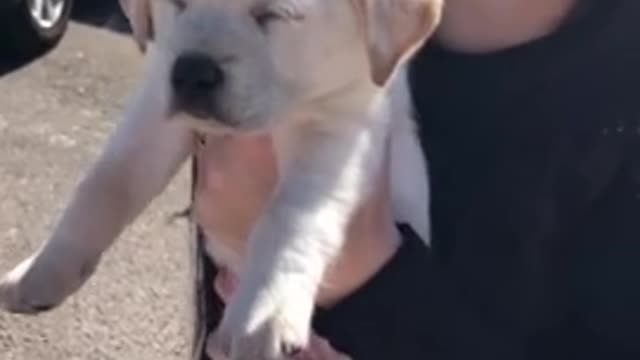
(246, 64)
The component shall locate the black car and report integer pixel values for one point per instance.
(29, 27)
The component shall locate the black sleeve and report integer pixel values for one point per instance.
(409, 311)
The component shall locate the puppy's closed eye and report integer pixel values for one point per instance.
(283, 11)
(265, 17)
(179, 4)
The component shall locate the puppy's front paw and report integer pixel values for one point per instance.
(39, 284)
(270, 326)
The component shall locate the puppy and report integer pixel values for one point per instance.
(325, 78)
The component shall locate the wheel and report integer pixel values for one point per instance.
(33, 26)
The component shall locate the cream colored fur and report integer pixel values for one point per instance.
(327, 79)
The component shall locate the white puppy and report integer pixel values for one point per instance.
(325, 77)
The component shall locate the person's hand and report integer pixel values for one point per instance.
(318, 349)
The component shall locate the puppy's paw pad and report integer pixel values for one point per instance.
(43, 308)
(291, 350)
(291, 333)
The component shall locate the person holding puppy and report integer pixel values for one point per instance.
(529, 119)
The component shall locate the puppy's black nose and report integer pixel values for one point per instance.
(195, 76)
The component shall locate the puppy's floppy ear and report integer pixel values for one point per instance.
(139, 14)
(146, 16)
(394, 30)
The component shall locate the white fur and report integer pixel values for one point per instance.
(310, 86)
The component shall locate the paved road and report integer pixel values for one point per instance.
(55, 114)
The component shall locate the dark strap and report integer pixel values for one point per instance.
(208, 306)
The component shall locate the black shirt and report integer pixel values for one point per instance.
(534, 161)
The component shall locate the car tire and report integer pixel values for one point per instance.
(27, 34)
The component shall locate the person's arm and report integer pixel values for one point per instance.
(411, 309)
(499, 279)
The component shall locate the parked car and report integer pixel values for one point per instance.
(29, 27)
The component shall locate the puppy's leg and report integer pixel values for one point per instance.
(138, 162)
(327, 175)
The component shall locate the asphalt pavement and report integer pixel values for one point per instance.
(55, 115)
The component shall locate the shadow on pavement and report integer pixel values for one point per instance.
(9, 65)
(99, 13)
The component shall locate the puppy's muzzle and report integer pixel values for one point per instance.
(196, 80)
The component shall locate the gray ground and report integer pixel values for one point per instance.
(55, 114)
